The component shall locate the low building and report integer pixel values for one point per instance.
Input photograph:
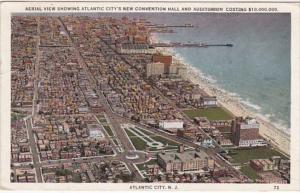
(207, 142)
(270, 178)
(209, 101)
(172, 125)
(224, 142)
(190, 133)
(203, 122)
(137, 49)
(262, 165)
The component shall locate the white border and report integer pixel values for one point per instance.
(8, 8)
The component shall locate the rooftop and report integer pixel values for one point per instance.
(182, 157)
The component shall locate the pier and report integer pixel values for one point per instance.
(163, 28)
(169, 26)
(54, 46)
(191, 45)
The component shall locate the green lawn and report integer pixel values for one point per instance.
(146, 132)
(165, 141)
(16, 116)
(248, 171)
(138, 143)
(116, 142)
(100, 116)
(108, 130)
(140, 132)
(213, 113)
(103, 120)
(63, 172)
(245, 155)
(129, 133)
(165, 148)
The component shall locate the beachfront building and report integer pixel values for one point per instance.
(166, 59)
(245, 132)
(208, 101)
(189, 161)
(177, 69)
(157, 68)
(171, 68)
(182, 72)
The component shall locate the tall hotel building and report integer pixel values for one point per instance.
(245, 132)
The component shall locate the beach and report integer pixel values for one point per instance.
(274, 135)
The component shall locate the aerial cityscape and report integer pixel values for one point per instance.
(103, 100)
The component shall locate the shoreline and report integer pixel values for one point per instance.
(276, 136)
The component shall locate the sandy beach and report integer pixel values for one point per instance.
(271, 133)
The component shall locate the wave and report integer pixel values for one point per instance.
(250, 104)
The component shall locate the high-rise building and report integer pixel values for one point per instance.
(165, 59)
(173, 69)
(245, 132)
(162, 58)
(182, 72)
(157, 68)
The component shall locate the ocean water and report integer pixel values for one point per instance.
(257, 69)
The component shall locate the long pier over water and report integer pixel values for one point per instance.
(196, 45)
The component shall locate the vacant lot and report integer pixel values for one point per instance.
(214, 113)
(245, 155)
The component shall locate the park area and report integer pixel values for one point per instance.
(16, 116)
(143, 140)
(245, 155)
(213, 113)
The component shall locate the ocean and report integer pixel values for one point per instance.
(257, 69)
